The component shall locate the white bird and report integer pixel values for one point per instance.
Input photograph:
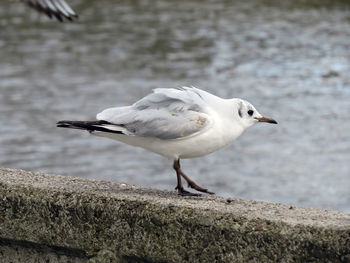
(176, 123)
(52, 8)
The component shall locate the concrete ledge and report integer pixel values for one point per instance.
(51, 218)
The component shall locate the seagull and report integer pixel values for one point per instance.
(52, 8)
(177, 123)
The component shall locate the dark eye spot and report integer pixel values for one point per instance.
(250, 112)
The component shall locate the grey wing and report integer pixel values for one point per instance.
(52, 8)
(164, 114)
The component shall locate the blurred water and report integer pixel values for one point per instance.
(291, 59)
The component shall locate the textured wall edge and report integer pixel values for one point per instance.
(77, 219)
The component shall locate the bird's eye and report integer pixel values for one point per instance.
(250, 112)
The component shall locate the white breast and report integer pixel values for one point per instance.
(219, 134)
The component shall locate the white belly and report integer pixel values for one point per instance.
(189, 147)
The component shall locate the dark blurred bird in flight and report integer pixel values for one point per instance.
(58, 9)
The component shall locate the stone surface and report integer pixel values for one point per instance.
(87, 220)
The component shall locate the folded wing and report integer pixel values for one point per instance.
(164, 114)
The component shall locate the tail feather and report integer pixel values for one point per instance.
(88, 125)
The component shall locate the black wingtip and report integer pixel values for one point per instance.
(58, 10)
(88, 125)
(64, 124)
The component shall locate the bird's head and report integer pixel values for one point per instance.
(247, 115)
